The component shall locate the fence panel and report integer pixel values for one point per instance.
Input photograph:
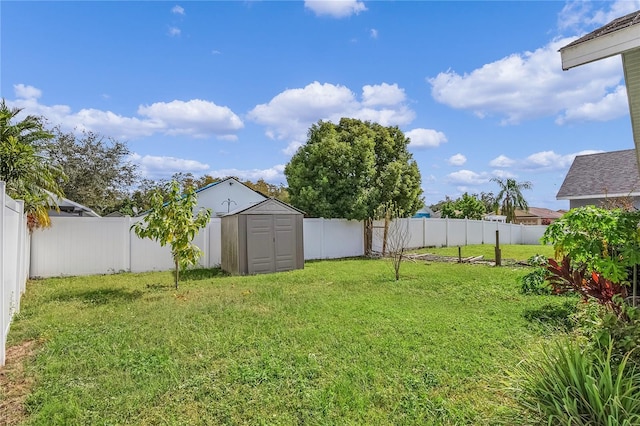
(435, 233)
(14, 259)
(332, 238)
(81, 246)
(531, 234)
(475, 232)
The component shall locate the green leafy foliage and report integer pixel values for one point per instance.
(535, 282)
(510, 197)
(173, 223)
(27, 172)
(465, 207)
(600, 326)
(99, 169)
(604, 241)
(348, 170)
(571, 386)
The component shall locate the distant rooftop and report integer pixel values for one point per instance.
(607, 174)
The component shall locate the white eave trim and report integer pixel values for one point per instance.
(601, 47)
(587, 197)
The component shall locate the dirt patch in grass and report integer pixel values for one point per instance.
(14, 384)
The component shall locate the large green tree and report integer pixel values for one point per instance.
(510, 197)
(352, 169)
(99, 169)
(29, 173)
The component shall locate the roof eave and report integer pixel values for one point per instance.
(591, 196)
(601, 47)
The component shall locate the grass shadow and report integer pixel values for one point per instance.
(202, 274)
(101, 296)
(557, 317)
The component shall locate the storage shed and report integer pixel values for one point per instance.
(263, 238)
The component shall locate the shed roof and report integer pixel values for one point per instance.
(606, 174)
(268, 206)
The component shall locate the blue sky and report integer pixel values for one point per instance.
(230, 88)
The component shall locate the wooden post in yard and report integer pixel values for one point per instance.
(459, 254)
(498, 251)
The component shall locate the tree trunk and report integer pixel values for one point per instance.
(386, 232)
(177, 272)
(368, 237)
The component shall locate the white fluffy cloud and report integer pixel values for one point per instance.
(502, 161)
(382, 94)
(289, 114)
(613, 105)
(174, 31)
(178, 10)
(425, 138)
(195, 118)
(273, 174)
(152, 166)
(549, 160)
(539, 161)
(335, 8)
(468, 177)
(532, 84)
(580, 15)
(457, 160)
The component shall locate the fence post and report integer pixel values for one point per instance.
(3, 314)
(127, 247)
(446, 232)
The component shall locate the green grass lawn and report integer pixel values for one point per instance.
(339, 342)
(509, 251)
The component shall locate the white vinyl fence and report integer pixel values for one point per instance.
(425, 232)
(87, 245)
(14, 261)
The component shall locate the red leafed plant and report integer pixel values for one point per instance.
(564, 277)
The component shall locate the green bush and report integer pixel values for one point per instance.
(600, 326)
(573, 386)
(535, 281)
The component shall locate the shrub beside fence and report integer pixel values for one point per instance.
(14, 261)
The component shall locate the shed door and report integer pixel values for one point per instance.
(271, 243)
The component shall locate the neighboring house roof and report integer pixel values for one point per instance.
(71, 208)
(603, 175)
(538, 212)
(204, 188)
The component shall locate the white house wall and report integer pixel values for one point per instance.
(217, 196)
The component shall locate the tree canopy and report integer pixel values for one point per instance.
(465, 207)
(173, 223)
(99, 169)
(510, 197)
(30, 174)
(350, 169)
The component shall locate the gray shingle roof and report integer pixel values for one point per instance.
(612, 174)
(615, 25)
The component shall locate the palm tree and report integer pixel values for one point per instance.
(29, 175)
(510, 197)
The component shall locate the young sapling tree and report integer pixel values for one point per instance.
(174, 223)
